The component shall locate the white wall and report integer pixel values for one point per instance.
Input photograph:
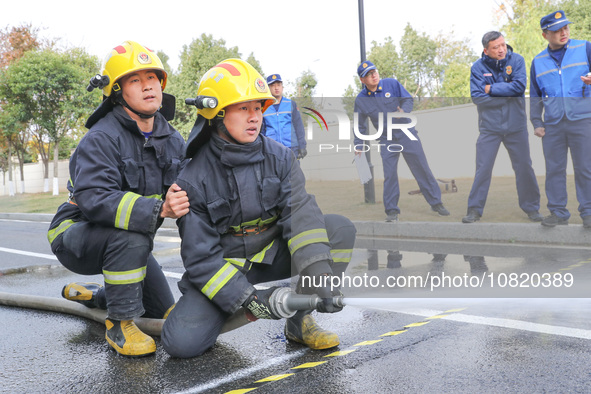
(34, 178)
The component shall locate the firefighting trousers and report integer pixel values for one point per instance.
(195, 322)
(134, 282)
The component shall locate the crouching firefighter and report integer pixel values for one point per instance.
(121, 188)
(250, 220)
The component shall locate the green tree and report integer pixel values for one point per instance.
(14, 43)
(255, 63)
(522, 26)
(417, 67)
(305, 89)
(579, 13)
(385, 57)
(196, 58)
(453, 61)
(49, 89)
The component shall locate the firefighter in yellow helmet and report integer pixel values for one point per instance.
(250, 220)
(121, 188)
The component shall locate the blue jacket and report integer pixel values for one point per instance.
(388, 97)
(283, 123)
(556, 88)
(503, 108)
(233, 187)
(118, 178)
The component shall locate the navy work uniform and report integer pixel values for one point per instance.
(389, 97)
(250, 219)
(502, 118)
(557, 91)
(117, 181)
(283, 122)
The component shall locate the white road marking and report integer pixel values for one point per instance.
(244, 372)
(169, 274)
(499, 322)
(32, 254)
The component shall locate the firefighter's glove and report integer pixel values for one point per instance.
(258, 304)
(302, 153)
(321, 274)
(327, 295)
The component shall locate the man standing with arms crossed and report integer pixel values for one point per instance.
(559, 88)
(497, 86)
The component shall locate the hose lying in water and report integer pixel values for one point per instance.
(52, 304)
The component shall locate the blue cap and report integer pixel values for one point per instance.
(554, 21)
(364, 68)
(273, 78)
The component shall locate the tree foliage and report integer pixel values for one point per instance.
(15, 41)
(48, 89)
(426, 67)
(196, 58)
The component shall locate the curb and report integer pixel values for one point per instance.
(507, 233)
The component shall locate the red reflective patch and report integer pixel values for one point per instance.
(233, 70)
(120, 49)
(149, 49)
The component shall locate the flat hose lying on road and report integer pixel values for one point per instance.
(52, 304)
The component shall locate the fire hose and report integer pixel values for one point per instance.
(284, 303)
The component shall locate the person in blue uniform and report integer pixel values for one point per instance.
(282, 120)
(560, 111)
(122, 187)
(497, 85)
(378, 98)
(250, 221)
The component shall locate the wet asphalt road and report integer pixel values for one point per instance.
(414, 340)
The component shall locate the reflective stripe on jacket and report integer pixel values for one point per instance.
(118, 178)
(231, 186)
(559, 85)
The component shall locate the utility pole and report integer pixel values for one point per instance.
(369, 187)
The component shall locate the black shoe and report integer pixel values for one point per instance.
(535, 216)
(84, 293)
(553, 220)
(440, 209)
(587, 221)
(392, 217)
(471, 217)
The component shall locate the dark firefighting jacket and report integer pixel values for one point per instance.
(118, 178)
(245, 200)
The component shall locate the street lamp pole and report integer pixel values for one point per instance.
(369, 187)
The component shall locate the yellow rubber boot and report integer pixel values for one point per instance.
(304, 329)
(127, 339)
(84, 293)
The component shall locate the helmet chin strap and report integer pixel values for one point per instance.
(120, 100)
(219, 124)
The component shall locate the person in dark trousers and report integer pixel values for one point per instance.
(378, 98)
(497, 85)
(250, 221)
(560, 111)
(121, 188)
(282, 120)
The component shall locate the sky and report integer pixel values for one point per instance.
(286, 37)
